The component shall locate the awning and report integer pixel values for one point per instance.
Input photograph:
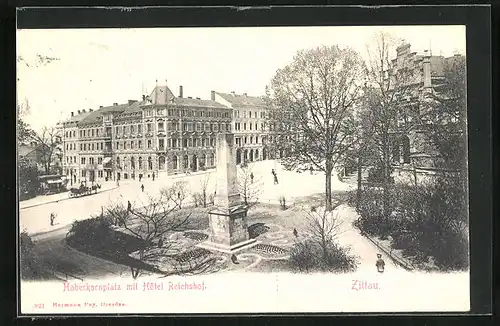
(106, 160)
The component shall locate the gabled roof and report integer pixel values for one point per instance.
(94, 115)
(242, 100)
(162, 95)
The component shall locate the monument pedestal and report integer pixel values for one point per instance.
(228, 230)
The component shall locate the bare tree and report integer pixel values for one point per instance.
(203, 197)
(249, 185)
(312, 101)
(324, 227)
(392, 95)
(48, 142)
(176, 194)
(152, 223)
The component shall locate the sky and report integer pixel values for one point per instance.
(105, 66)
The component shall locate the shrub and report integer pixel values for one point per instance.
(30, 265)
(90, 233)
(308, 256)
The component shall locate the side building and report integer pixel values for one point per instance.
(160, 134)
(249, 125)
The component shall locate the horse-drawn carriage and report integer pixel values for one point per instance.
(83, 190)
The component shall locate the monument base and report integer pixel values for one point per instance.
(228, 249)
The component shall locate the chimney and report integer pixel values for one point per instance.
(84, 111)
(180, 91)
(90, 110)
(212, 95)
(78, 111)
(72, 114)
(143, 97)
(100, 106)
(198, 98)
(130, 102)
(427, 69)
(115, 104)
(190, 97)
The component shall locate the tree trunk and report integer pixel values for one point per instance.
(328, 188)
(358, 192)
(386, 176)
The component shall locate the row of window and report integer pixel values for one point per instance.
(249, 140)
(251, 126)
(187, 113)
(255, 114)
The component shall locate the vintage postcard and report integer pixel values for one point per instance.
(243, 170)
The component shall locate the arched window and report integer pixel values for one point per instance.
(150, 163)
(211, 160)
(185, 164)
(161, 163)
(203, 160)
(132, 162)
(140, 162)
(174, 162)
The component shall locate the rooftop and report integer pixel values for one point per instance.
(242, 100)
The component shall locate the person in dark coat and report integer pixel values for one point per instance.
(275, 179)
(142, 187)
(153, 176)
(52, 218)
(234, 259)
(251, 176)
(380, 264)
(129, 206)
(295, 233)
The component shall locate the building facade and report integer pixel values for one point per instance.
(410, 147)
(160, 134)
(249, 125)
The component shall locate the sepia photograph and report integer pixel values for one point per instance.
(243, 170)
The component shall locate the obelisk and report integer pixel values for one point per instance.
(228, 219)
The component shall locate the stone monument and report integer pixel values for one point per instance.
(228, 220)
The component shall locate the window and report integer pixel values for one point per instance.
(228, 127)
(198, 126)
(249, 114)
(190, 126)
(161, 144)
(149, 143)
(140, 162)
(245, 126)
(245, 140)
(91, 160)
(139, 143)
(124, 130)
(139, 128)
(99, 160)
(174, 162)
(256, 126)
(92, 132)
(83, 160)
(250, 125)
(190, 142)
(150, 163)
(132, 162)
(150, 127)
(83, 173)
(116, 131)
(132, 129)
(100, 173)
(184, 127)
(184, 143)
(161, 126)
(212, 142)
(92, 146)
(207, 126)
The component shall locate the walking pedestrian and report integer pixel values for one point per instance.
(140, 177)
(295, 233)
(52, 218)
(311, 169)
(129, 206)
(251, 176)
(380, 264)
(153, 176)
(275, 178)
(142, 187)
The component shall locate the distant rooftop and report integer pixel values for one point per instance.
(242, 100)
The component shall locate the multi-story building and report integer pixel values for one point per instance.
(410, 147)
(162, 133)
(249, 125)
